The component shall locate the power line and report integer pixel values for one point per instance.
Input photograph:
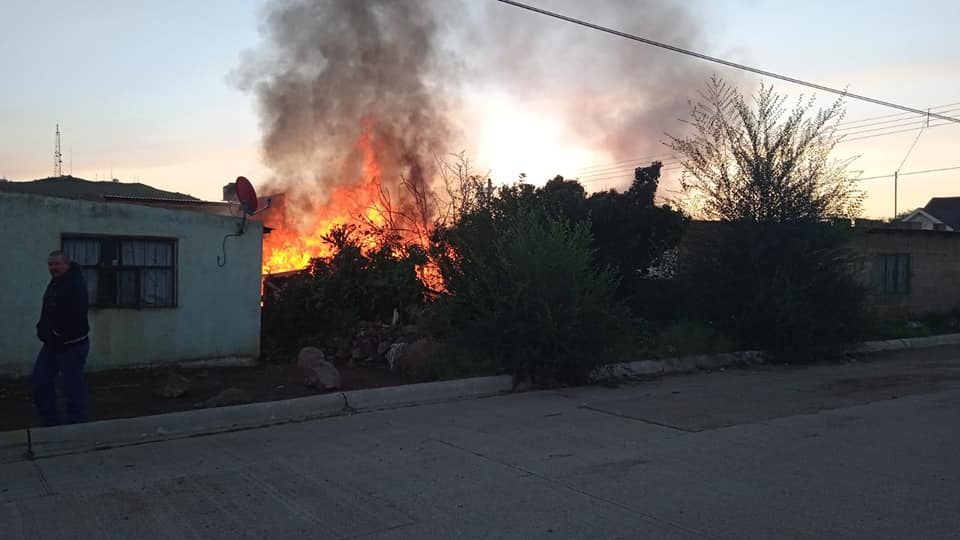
(626, 168)
(908, 173)
(624, 161)
(622, 176)
(896, 123)
(673, 169)
(904, 117)
(917, 124)
(725, 62)
(893, 132)
(845, 131)
(934, 109)
(620, 171)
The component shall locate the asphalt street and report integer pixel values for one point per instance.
(859, 450)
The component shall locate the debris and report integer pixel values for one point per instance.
(230, 396)
(173, 386)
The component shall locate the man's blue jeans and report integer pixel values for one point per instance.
(70, 361)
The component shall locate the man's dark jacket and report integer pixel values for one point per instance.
(63, 319)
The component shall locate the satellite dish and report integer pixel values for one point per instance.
(246, 195)
(249, 204)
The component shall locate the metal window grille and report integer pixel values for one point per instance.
(126, 271)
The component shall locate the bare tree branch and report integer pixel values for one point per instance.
(763, 161)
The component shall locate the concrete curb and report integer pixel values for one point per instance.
(392, 397)
(645, 369)
(70, 439)
(908, 343)
(671, 366)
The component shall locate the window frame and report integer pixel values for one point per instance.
(119, 238)
(881, 263)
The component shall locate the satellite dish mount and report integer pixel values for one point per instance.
(248, 206)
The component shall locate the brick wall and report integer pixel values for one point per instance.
(934, 279)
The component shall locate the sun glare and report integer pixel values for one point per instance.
(513, 140)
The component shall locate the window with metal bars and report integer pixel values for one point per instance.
(891, 273)
(126, 272)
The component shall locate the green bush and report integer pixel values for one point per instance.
(336, 293)
(786, 288)
(456, 363)
(523, 289)
(683, 338)
(929, 324)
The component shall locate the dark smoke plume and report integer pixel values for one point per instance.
(328, 66)
(335, 69)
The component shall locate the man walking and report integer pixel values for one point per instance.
(63, 329)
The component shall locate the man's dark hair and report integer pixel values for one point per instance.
(59, 253)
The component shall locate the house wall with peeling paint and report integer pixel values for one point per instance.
(217, 312)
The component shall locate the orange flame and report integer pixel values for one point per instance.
(291, 248)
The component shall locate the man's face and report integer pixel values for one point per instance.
(58, 266)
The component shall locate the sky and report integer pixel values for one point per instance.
(146, 90)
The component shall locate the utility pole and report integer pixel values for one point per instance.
(895, 175)
(57, 157)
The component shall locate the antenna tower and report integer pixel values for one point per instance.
(57, 157)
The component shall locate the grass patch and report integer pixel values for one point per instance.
(931, 324)
(681, 338)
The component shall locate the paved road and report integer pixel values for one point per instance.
(865, 450)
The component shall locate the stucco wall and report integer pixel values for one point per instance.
(218, 309)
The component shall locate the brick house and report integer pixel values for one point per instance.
(909, 268)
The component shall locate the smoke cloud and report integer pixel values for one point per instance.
(334, 71)
(329, 69)
(614, 95)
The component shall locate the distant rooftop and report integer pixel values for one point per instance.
(946, 209)
(79, 188)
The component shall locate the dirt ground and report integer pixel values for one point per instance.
(129, 393)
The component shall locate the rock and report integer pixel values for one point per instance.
(317, 372)
(382, 348)
(410, 330)
(393, 354)
(368, 347)
(173, 386)
(230, 396)
(415, 356)
(356, 353)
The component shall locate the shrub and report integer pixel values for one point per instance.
(334, 294)
(785, 288)
(523, 289)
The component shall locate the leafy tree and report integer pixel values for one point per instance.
(631, 233)
(765, 163)
(776, 274)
